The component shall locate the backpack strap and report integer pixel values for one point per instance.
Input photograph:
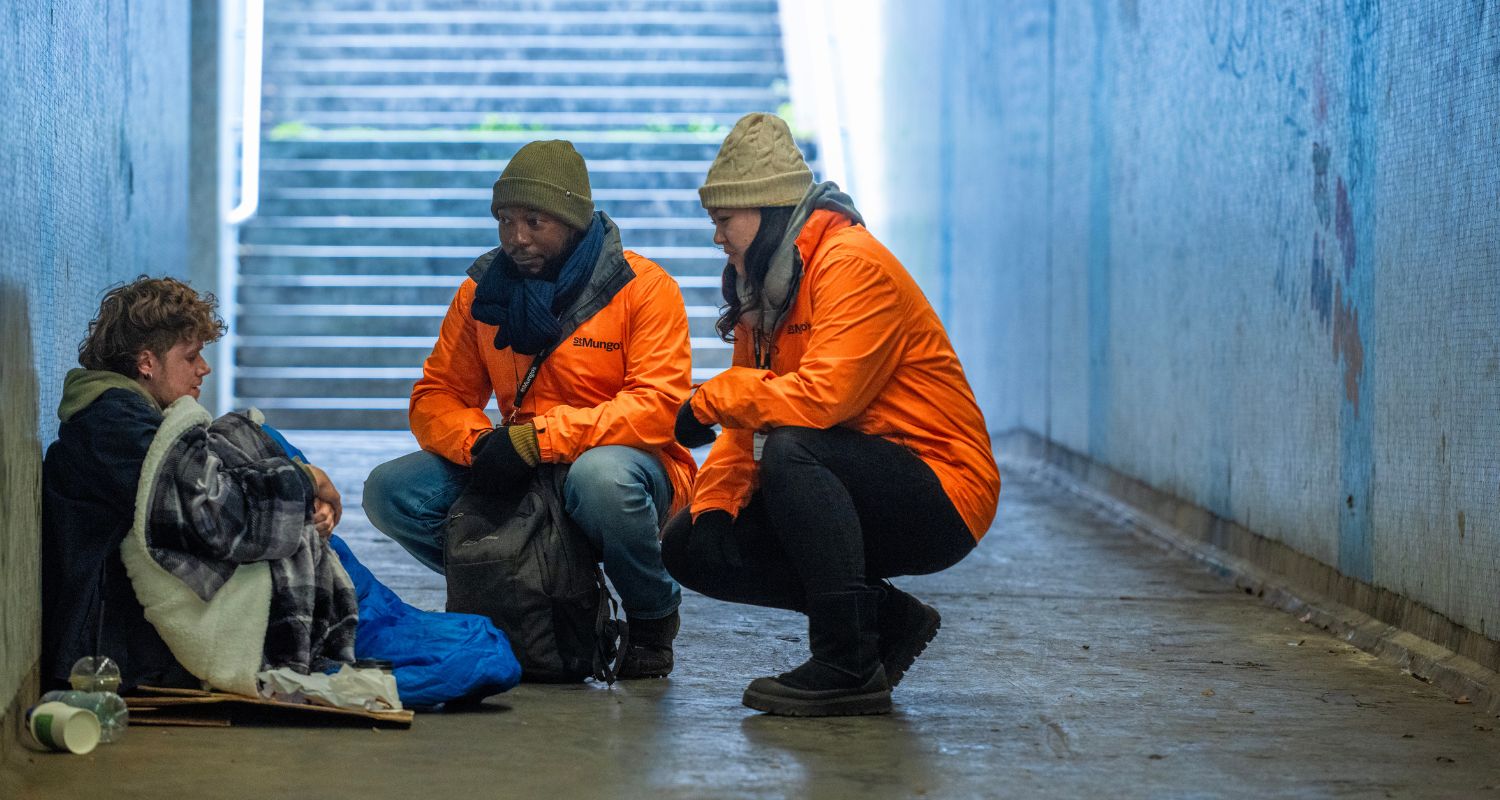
(611, 634)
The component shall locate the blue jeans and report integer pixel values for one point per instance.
(616, 495)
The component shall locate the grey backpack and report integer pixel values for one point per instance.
(515, 557)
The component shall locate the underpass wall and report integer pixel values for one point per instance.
(93, 147)
(1246, 252)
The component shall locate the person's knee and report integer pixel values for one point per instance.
(604, 480)
(379, 494)
(786, 447)
(675, 536)
(414, 488)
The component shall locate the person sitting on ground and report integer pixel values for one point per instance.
(613, 331)
(185, 548)
(853, 448)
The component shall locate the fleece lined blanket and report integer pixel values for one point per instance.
(224, 558)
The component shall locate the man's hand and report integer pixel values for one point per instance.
(323, 518)
(328, 505)
(690, 431)
(505, 457)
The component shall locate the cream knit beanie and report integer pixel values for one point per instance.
(758, 166)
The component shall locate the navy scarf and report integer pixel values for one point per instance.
(528, 311)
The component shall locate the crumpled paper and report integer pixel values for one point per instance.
(368, 689)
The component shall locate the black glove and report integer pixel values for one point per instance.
(505, 457)
(689, 431)
(715, 524)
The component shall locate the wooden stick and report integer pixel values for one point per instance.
(167, 690)
(184, 722)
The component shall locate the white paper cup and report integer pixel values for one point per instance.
(59, 726)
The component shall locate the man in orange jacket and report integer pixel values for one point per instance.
(613, 331)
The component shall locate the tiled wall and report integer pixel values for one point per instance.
(1245, 250)
(93, 154)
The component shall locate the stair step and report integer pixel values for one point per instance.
(542, 124)
(489, 146)
(559, 48)
(481, 223)
(461, 176)
(477, 205)
(266, 403)
(599, 41)
(253, 321)
(293, 109)
(380, 387)
(412, 310)
(334, 348)
(594, 6)
(474, 174)
(430, 265)
(708, 83)
(600, 166)
(306, 68)
(448, 282)
(477, 233)
(455, 92)
(470, 18)
(468, 254)
(473, 241)
(488, 34)
(419, 193)
(365, 296)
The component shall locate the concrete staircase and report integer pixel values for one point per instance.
(386, 121)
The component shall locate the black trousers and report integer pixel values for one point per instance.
(836, 511)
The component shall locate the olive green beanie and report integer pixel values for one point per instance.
(758, 166)
(548, 176)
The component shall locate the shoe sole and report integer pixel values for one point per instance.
(896, 668)
(848, 706)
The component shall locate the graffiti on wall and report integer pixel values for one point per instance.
(1315, 276)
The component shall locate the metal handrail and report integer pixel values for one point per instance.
(233, 214)
(255, 21)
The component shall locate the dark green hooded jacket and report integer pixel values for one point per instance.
(89, 482)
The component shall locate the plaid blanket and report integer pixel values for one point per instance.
(228, 495)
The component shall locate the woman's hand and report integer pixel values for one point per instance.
(328, 505)
(690, 431)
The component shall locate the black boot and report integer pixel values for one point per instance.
(906, 626)
(844, 677)
(648, 650)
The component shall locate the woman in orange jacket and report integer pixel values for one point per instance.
(853, 448)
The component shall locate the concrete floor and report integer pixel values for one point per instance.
(1074, 661)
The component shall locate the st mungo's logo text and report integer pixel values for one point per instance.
(584, 341)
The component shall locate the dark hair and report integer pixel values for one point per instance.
(773, 224)
(147, 314)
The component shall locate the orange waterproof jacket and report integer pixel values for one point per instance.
(617, 378)
(862, 348)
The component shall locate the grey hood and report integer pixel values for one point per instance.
(764, 309)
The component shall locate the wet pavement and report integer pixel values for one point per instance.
(1075, 660)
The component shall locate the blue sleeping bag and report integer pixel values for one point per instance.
(437, 656)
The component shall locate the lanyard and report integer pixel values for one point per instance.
(762, 353)
(525, 385)
(762, 361)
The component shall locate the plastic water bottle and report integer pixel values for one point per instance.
(95, 680)
(109, 707)
(95, 674)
